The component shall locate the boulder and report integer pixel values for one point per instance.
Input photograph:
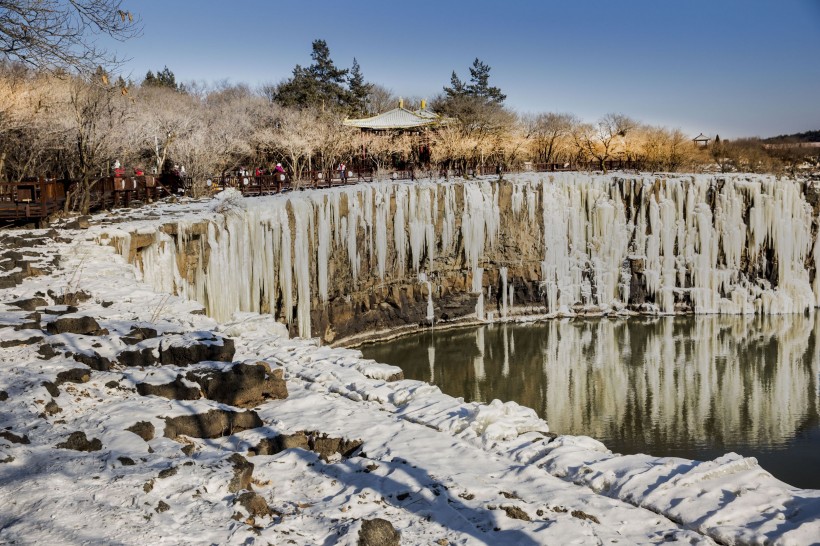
(175, 390)
(378, 532)
(143, 429)
(244, 385)
(73, 325)
(242, 473)
(212, 424)
(254, 503)
(74, 375)
(29, 304)
(78, 442)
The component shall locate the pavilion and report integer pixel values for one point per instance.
(399, 119)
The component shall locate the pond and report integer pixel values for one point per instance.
(694, 387)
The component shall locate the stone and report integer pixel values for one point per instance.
(73, 325)
(13, 438)
(167, 473)
(95, 361)
(254, 503)
(162, 506)
(4, 396)
(242, 473)
(188, 353)
(74, 375)
(46, 351)
(277, 444)
(78, 442)
(212, 424)
(321, 444)
(244, 385)
(580, 514)
(51, 388)
(515, 512)
(52, 408)
(143, 429)
(29, 304)
(175, 390)
(31, 340)
(126, 461)
(378, 532)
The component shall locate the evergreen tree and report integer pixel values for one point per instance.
(457, 87)
(359, 90)
(321, 85)
(480, 83)
(163, 78)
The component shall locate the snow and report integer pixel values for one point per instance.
(441, 470)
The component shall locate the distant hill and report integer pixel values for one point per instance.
(808, 136)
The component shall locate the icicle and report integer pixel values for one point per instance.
(503, 273)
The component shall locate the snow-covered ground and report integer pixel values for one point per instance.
(440, 470)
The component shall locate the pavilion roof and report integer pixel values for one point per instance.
(397, 118)
(702, 137)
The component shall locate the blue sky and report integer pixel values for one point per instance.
(735, 68)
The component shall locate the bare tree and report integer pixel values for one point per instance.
(547, 132)
(601, 140)
(59, 33)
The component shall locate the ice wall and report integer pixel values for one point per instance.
(658, 244)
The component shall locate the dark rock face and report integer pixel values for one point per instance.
(254, 503)
(78, 442)
(242, 473)
(321, 444)
(175, 390)
(244, 385)
(213, 424)
(143, 429)
(378, 532)
(73, 325)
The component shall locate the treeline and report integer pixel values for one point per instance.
(76, 127)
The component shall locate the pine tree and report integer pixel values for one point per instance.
(321, 85)
(359, 90)
(457, 87)
(163, 78)
(480, 83)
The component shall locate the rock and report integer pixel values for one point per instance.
(378, 532)
(138, 358)
(4, 396)
(242, 473)
(143, 429)
(126, 461)
(138, 334)
(580, 514)
(95, 361)
(60, 310)
(73, 325)
(52, 408)
(167, 473)
(51, 388)
(78, 442)
(13, 438)
(81, 222)
(244, 385)
(162, 506)
(254, 503)
(277, 444)
(69, 298)
(46, 351)
(213, 424)
(187, 353)
(74, 375)
(31, 340)
(29, 304)
(319, 443)
(175, 390)
(515, 512)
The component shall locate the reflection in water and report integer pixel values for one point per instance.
(694, 387)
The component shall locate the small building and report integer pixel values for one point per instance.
(399, 119)
(702, 141)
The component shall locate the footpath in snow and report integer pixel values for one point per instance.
(119, 426)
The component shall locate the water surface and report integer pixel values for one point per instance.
(693, 387)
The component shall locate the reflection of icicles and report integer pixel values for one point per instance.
(505, 369)
(431, 360)
(503, 273)
(478, 274)
(478, 362)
